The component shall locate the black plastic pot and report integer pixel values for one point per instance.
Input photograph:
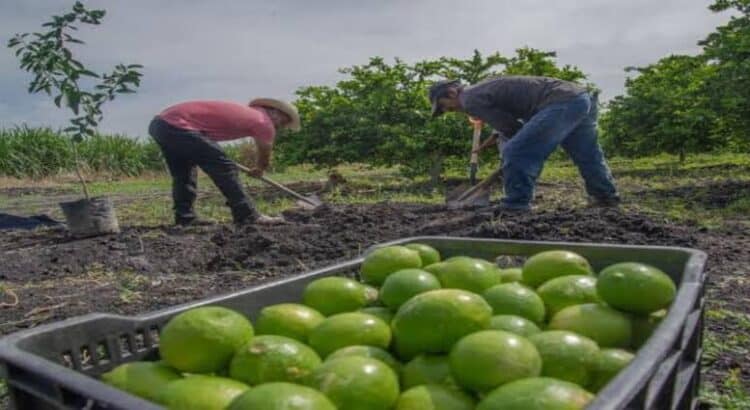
(90, 217)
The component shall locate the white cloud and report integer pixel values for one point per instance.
(236, 49)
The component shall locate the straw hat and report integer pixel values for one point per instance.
(282, 106)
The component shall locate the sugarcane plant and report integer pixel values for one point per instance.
(48, 57)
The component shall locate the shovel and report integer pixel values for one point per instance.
(307, 202)
(478, 195)
(474, 160)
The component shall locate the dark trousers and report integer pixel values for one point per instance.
(570, 124)
(184, 151)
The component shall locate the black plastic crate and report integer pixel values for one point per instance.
(56, 366)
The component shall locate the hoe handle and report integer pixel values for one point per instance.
(476, 138)
(481, 185)
(275, 184)
(474, 159)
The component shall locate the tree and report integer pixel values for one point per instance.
(665, 109)
(529, 61)
(685, 104)
(728, 49)
(48, 57)
(380, 114)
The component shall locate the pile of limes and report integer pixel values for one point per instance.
(418, 332)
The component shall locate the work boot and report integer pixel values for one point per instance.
(504, 208)
(270, 220)
(191, 221)
(260, 219)
(609, 202)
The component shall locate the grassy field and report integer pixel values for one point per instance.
(711, 192)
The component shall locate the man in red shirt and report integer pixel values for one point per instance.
(188, 134)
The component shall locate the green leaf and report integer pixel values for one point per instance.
(88, 73)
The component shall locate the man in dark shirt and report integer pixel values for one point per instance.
(534, 115)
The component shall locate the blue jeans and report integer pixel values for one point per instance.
(570, 124)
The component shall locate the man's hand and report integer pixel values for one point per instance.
(486, 143)
(256, 172)
(262, 159)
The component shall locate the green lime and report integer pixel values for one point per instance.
(608, 363)
(204, 339)
(635, 287)
(551, 264)
(385, 314)
(644, 326)
(428, 369)
(515, 299)
(474, 275)
(564, 291)
(434, 397)
(357, 383)
(271, 358)
(484, 360)
(428, 254)
(281, 396)
(511, 275)
(606, 326)
(143, 379)
(334, 294)
(433, 321)
(349, 329)
(537, 393)
(201, 393)
(288, 319)
(402, 285)
(383, 261)
(368, 351)
(565, 355)
(514, 324)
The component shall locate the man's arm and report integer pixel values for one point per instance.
(263, 160)
(479, 106)
(488, 142)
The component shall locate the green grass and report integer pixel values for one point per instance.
(731, 394)
(734, 395)
(42, 152)
(647, 185)
(650, 184)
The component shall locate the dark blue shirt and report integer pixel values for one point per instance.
(502, 101)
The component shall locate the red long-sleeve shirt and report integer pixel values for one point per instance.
(221, 120)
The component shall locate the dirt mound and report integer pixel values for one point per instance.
(586, 225)
(311, 239)
(713, 195)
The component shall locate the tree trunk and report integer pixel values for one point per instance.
(436, 170)
(682, 155)
(78, 170)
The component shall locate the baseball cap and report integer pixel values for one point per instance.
(438, 90)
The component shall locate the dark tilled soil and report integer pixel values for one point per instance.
(48, 276)
(25, 191)
(710, 196)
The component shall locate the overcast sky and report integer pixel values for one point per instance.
(238, 49)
